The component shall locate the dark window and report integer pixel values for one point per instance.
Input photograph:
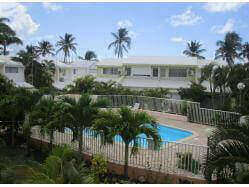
(110, 71)
(11, 69)
(177, 72)
(74, 71)
(128, 71)
(155, 72)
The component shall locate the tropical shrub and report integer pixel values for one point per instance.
(187, 162)
(195, 93)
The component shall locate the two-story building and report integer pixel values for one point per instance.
(65, 74)
(152, 72)
(13, 71)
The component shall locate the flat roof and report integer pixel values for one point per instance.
(6, 60)
(157, 61)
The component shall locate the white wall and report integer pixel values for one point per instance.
(16, 77)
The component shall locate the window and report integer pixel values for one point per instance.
(11, 69)
(74, 71)
(155, 72)
(110, 71)
(162, 72)
(128, 71)
(177, 72)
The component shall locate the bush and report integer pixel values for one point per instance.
(196, 92)
(186, 162)
(99, 167)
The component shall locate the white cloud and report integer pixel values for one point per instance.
(222, 7)
(222, 29)
(48, 37)
(51, 6)
(20, 20)
(125, 24)
(186, 18)
(177, 39)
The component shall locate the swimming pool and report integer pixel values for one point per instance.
(167, 134)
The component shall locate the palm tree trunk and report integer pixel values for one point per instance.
(126, 159)
(12, 134)
(64, 58)
(51, 134)
(4, 48)
(80, 140)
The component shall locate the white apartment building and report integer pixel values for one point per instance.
(152, 72)
(65, 74)
(13, 71)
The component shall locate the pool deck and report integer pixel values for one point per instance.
(163, 160)
(200, 132)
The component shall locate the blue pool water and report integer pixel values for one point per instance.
(167, 134)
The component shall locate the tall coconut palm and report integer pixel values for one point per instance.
(220, 80)
(229, 148)
(129, 125)
(7, 36)
(28, 58)
(82, 112)
(89, 55)
(194, 50)
(44, 48)
(66, 44)
(229, 49)
(207, 74)
(245, 52)
(121, 43)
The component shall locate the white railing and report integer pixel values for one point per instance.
(171, 158)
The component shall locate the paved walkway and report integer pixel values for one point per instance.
(200, 132)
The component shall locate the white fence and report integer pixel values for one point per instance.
(171, 158)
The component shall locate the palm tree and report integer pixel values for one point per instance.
(44, 48)
(90, 55)
(7, 36)
(28, 58)
(220, 80)
(82, 112)
(194, 50)
(245, 52)
(83, 85)
(121, 43)
(229, 49)
(207, 74)
(129, 125)
(229, 148)
(45, 115)
(66, 45)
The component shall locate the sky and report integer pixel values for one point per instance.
(156, 29)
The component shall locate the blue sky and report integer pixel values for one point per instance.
(157, 29)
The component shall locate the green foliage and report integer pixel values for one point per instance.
(155, 92)
(196, 92)
(6, 86)
(128, 124)
(82, 85)
(187, 162)
(194, 50)
(98, 167)
(67, 45)
(228, 146)
(36, 73)
(121, 42)
(81, 113)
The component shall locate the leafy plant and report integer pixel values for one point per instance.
(187, 162)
